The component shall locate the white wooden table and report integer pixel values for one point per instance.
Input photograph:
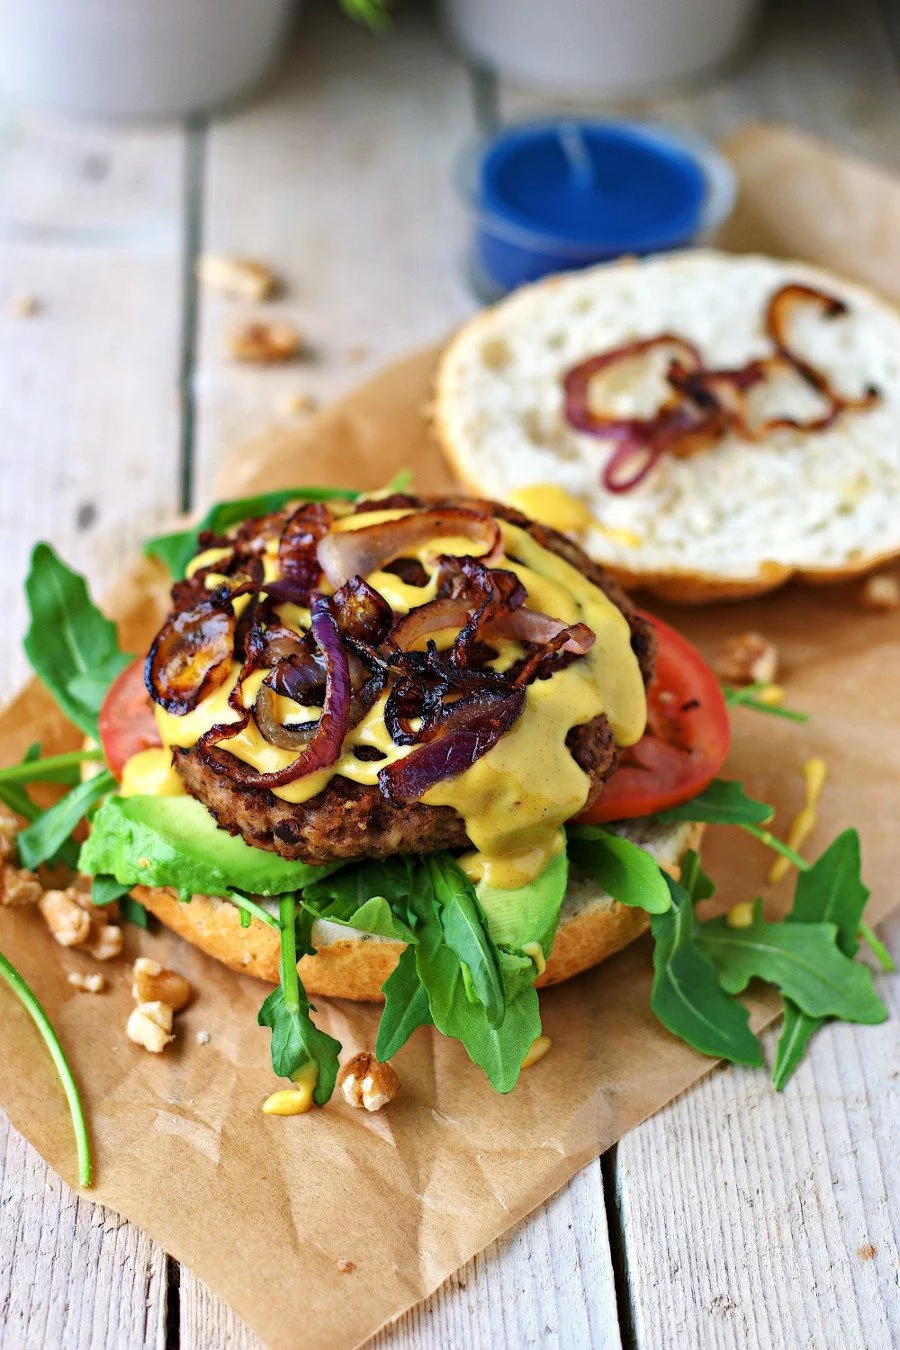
(734, 1217)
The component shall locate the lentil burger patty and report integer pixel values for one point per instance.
(350, 820)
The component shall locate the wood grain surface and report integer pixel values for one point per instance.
(734, 1217)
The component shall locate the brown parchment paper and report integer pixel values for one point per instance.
(264, 1208)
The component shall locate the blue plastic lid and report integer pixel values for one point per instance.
(623, 186)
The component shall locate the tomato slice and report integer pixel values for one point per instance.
(686, 741)
(126, 720)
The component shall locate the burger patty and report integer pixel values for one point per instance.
(351, 820)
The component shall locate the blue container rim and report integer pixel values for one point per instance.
(718, 174)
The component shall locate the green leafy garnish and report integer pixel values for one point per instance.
(106, 890)
(405, 1006)
(831, 890)
(372, 13)
(466, 932)
(722, 802)
(802, 959)
(622, 868)
(176, 550)
(453, 1001)
(687, 996)
(746, 696)
(48, 833)
(65, 769)
(35, 1011)
(296, 1040)
(877, 948)
(72, 647)
(365, 896)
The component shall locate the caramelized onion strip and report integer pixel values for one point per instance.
(357, 553)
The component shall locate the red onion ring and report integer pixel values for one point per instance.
(530, 625)
(191, 656)
(471, 727)
(706, 403)
(324, 745)
(352, 553)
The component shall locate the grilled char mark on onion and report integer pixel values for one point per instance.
(352, 553)
(706, 404)
(472, 726)
(297, 560)
(324, 745)
(192, 653)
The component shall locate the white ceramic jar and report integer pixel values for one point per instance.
(137, 58)
(607, 47)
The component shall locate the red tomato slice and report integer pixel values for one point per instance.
(126, 719)
(686, 741)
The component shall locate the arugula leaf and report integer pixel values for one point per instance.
(176, 550)
(106, 890)
(722, 802)
(698, 885)
(365, 896)
(877, 948)
(498, 1050)
(622, 868)
(50, 830)
(830, 890)
(296, 1040)
(72, 647)
(746, 697)
(801, 958)
(465, 931)
(405, 1006)
(687, 997)
(64, 769)
(40, 1019)
(133, 912)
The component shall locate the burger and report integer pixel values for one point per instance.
(402, 749)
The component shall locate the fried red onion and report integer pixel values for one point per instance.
(362, 613)
(530, 625)
(324, 744)
(191, 655)
(297, 560)
(352, 553)
(706, 404)
(471, 726)
(275, 732)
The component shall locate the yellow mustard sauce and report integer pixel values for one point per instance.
(517, 796)
(561, 510)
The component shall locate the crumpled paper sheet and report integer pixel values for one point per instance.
(264, 1208)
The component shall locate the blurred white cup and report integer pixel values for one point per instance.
(137, 58)
(599, 46)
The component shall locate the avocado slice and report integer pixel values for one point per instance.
(174, 841)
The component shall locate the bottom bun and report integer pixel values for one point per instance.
(350, 964)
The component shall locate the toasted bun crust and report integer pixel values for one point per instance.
(355, 965)
(733, 521)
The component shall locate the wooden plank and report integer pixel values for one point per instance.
(91, 224)
(342, 180)
(73, 1275)
(752, 1218)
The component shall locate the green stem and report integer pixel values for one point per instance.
(290, 980)
(44, 1026)
(877, 947)
(39, 770)
(251, 907)
(778, 845)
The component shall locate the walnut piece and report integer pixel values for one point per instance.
(346, 1267)
(19, 886)
(64, 916)
(747, 658)
(105, 941)
(89, 984)
(150, 1025)
(368, 1084)
(152, 983)
(239, 278)
(264, 344)
(881, 593)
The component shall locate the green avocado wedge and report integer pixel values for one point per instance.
(174, 841)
